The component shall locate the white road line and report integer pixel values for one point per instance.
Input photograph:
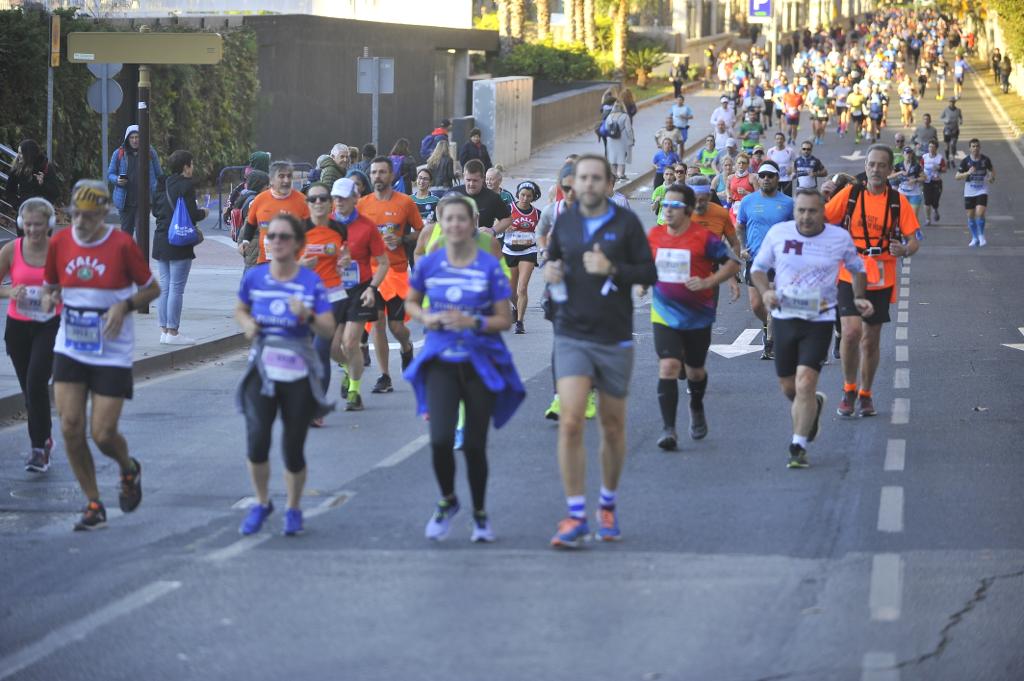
(79, 630)
(904, 304)
(879, 667)
(895, 455)
(901, 379)
(906, 261)
(905, 292)
(885, 598)
(902, 353)
(902, 316)
(404, 452)
(890, 510)
(901, 411)
(905, 281)
(901, 333)
(1000, 117)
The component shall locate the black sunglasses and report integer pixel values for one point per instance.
(318, 198)
(280, 236)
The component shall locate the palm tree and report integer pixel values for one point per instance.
(543, 19)
(503, 18)
(517, 10)
(619, 34)
(589, 32)
(577, 7)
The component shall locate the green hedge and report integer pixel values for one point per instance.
(209, 110)
(547, 61)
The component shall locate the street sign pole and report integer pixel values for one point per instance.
(375, 107)
(142, 217)
(54, 61)
(375, 76)
(105, 117)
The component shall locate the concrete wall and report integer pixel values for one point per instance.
(565, 114)
(990, 36)
(503, 110)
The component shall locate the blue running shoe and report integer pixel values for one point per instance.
(254, 519)
(460, 437)
(440, 523)
(571, 533)
(292, 522)
(608, 525)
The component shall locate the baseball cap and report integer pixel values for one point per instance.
(724, 99)
(730, 142)
(758, 147)
(89, 195)
(768, 167)
(344, 188)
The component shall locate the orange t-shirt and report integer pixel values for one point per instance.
(716, 220)
(324, 244)
(881, 269)
(792, 101)
(265, 206)
(398, 215)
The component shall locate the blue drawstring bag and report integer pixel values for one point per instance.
(181, 231)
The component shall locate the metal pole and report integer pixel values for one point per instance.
(375, 98)
(104, 110)
(142, 219)
(49, 113)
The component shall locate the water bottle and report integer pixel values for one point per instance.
(559, 293)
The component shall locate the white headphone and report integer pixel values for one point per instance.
(37, 200)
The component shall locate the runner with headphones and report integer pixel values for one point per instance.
(520, 246)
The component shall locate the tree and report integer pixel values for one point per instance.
(577, 7)
(517, 10)
(619, 33)
(543, 19)
(503, 18)
(589, 32)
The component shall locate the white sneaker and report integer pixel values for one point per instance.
(981, 240)
(974, 242)
(163, 338)
(482, 532)
(180, 340)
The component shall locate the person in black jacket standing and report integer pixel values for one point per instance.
(475, 149)
(596, 253)
(174, 262)
(31, 176)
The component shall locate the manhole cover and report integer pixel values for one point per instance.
(46, 492)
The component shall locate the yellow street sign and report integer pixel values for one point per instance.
(144, 48)
(55, 40)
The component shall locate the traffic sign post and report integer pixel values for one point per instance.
(105, 97)
(763, 12)
(375, 76)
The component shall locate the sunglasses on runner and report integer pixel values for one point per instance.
(280, 236)
(673, 204)
(318, 198)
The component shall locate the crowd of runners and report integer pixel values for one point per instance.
(341, 262)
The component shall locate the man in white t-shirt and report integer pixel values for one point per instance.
(783, 157)
(723, 113)
(805, 254)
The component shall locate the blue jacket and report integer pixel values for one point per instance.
(119, 166)
(492, 362)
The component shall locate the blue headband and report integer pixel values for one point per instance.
(701, 189)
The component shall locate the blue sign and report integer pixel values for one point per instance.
(761, 9)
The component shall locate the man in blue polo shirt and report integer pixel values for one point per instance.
(755, 216)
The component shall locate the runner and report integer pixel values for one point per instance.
(279, 305)
(706, 157)
(856, 101)
(520, 247)
(658, 195)
(879, 219)
(808, 168)
(908, 175)
(756, 215)
(978, 172)
(425, 201)
(751, 131)
(924, 134)
(941, 68)
(363, 263)
(782, 156)
(805, 255)
(598, 252)
(464, 360)
(664, 157)
(683, 307)
(841, 93)
(94, 270)
(960, 68)
(952, 118)
(819, 104)
(934, 166)
(792, 102)
(278, 198)
(30, 332)
(740, 184)
(398, 221)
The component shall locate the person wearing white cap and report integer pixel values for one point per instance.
(722, 134)
(723, 113)
(123, 173)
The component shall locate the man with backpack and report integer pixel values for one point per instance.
(123, 173)
(884, 227)
(436, 135)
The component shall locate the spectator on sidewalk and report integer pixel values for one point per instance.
(430, 141)
(32, 175)
(123, 173)
(335, 166)
(669, 132)
(403, 166)
(174, 262)
(629, 102)
(368, 153)
(620, 149)
(475, 149)
(996, 63)
(678, 75)
(1005, 71)
(361, 180)
(443, 167)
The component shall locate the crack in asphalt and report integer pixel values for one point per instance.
(945, 635)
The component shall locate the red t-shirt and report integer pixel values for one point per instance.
(364, 243)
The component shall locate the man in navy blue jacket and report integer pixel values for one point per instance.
(597, 252)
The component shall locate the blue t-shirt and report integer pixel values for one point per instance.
(473, 290)
(268, 298)
(663, 159)
(594, 224)
(759, 212)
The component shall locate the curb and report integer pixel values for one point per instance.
(987, 94)
(13, 406)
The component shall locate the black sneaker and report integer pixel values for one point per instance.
(769, 350)
(698, 424)
(835, 345)
(820, 397)
(38, 461)
(131, 488)
(520, 329)
(94, 517)
(366, 355)
(668, 440)
(797, 456)
(383, 385)
(406, 358)
(354, 402)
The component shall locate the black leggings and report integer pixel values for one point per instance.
(30, 345)
(297, 406)
(448, 384)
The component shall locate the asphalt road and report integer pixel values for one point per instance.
(898, 555)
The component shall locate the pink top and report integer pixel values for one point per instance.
(29, 309)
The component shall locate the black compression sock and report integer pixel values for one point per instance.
(668, 400)
(696, 390)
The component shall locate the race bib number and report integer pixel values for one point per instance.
(83, 331)
(875, 273)
(283, 365)
(30, 305)
(804, 303)
(673, 265)
(350, 275)
(337, 293)
(520, 239)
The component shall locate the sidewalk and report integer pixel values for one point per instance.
(208, 312)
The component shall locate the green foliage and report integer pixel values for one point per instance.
(1011, 20)
(488, 21)
(209, 110)
(645, 59)
(547, 61)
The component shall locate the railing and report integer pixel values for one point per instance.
(298, 180)
(8, 223)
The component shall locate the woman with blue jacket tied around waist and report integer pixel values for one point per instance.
(463, 358)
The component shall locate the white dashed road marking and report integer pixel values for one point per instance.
(895, 455)
(902, 353)
(879, 667)
(901, 379)
(886, 594)
(890, 510)
(901, 411)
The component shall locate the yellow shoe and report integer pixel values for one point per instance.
(591, 411)
(554, 410)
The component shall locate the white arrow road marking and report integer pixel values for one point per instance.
(855, 156)
(1015, 346)
(740, 346)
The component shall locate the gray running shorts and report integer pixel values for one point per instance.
(610, 367)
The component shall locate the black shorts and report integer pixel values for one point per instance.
(394, 309)
(972, 202)
(99, 380)
(798, 342)
(513, 260)
(689, 346)
(949, 136)
(879, 300)
(351, 309)
(792, 120)
(932, 193)
(746, 274)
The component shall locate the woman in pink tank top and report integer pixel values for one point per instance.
(30, 333)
